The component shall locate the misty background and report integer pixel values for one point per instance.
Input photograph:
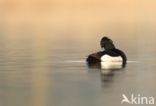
(38, 37)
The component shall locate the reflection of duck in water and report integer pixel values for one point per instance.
(110, 58)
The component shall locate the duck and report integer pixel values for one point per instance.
(109, 58)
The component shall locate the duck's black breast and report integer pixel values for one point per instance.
(116, 52)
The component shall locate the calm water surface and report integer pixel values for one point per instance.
(36, 71)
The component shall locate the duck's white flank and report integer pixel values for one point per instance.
(111, 65)
(107, 58)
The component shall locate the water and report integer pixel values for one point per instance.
(39, 71)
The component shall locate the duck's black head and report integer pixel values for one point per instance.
(107, 43)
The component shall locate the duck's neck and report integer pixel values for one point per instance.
(109, 46)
